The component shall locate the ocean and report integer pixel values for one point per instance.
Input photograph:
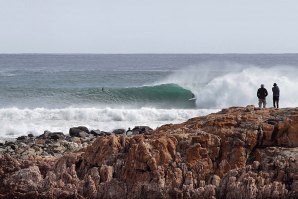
(101, 91)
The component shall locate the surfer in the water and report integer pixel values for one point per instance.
(102, 89)
(193, 97)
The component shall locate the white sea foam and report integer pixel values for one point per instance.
(232, 85)
(15, 122)
(236, 85)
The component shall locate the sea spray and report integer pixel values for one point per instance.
(15, 122)
(139, 89)
(237, 86)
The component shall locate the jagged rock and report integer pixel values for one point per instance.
(106, 173)
(24, 180)
(235, 153)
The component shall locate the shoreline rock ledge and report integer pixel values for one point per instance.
(239, 152)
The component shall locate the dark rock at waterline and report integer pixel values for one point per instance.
(76, 132)
(45, 135)
(97, 133)
(7, 143)
(22, 138)
(142, 130)
(52, 135)
(119, 131)
(56, 136)
(83, 128)
(13, 147)
(106, 133)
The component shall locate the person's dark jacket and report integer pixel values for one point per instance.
(262, 93)
(275, 91)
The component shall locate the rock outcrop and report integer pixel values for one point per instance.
(235, 153)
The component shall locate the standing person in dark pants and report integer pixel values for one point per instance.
(276, 92)
(262, 94)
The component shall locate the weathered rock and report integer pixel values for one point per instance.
(97, 133)
(30, 135)
(106, 133)
(142, 130)
(83, 128)
(22, 138)
(56, 136)
(119, 131)
(77, 132)
(45, 135)
(236, 153)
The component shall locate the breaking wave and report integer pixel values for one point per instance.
(235, 85)
(15, 121)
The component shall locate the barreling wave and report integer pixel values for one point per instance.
(158, 96)
(161, 96)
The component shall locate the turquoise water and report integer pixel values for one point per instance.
(55, 92)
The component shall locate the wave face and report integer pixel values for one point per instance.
(15, 122)
(237, 85)
(165, 95)
(159, 96)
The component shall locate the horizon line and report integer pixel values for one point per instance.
(60, 53)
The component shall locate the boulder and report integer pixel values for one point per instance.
(76, 132)
(83, 128)
(142, 130)
(56, 136)
(119, 131)
(97, 133)
(22, 138)
(106, 133)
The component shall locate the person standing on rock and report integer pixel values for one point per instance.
(275, 91)
(262, 94)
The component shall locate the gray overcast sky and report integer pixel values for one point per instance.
(148, 26)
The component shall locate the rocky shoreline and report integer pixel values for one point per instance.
(56, 144)
(240, 152)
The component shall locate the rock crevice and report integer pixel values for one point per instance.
(235, 153)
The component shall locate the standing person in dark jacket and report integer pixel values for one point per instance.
(262, 94)
(275, 91)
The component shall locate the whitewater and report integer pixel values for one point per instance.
(56, 92)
